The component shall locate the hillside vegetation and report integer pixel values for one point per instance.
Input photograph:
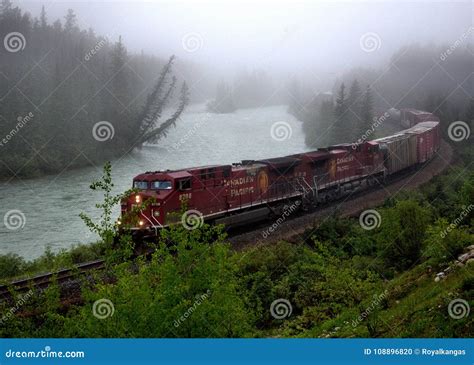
(344, 281)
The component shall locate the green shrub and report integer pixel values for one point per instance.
(444, 243)
(11, 265)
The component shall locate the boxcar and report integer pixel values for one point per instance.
(399, 151)
(411, 117)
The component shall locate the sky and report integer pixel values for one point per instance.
(281, 36)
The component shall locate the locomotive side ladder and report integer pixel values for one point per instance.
(308, 192)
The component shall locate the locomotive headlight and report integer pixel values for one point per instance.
(141, 223)
(137, 198)
(119, 222)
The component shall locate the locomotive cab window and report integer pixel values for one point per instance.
(184, 184)
(161, 185)
(140, 185)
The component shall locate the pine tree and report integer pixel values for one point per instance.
(319, 131)
(354, 100)
(295, 99)
(224, 101)
(367, 111)
(157, 100)
(341, 102)
(5, 7)
(341, 129)
(71, 21)
(43, 19)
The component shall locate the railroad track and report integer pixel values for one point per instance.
(44, 280)
(294, 227)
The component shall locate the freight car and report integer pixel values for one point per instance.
(253, 190)
(411, 117)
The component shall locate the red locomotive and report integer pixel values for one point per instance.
(252, 190)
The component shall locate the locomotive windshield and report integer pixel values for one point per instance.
(140, 185)
(161, 185)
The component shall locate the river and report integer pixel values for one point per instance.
(48, 207)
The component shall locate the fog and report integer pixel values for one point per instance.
(283, 37)
(80, 63)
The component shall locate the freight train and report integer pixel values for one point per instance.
(253, 190)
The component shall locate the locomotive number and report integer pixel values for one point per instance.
(184, 197)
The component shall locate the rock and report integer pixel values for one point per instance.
(466, 256)
(459, 263)
(470, 261)
(439, 276)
